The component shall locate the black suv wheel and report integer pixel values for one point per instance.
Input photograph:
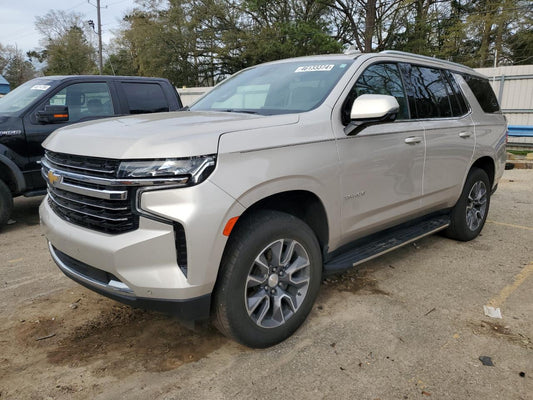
(6, 203)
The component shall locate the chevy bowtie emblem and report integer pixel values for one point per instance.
(53, 178)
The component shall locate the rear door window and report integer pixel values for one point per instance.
(145, 97)
(432, 98)
(459, 106)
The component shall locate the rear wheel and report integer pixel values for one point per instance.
(470, 213)
(269, 279)
(6, 203)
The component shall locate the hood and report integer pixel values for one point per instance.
(162, 135)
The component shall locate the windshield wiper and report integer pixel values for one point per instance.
(240, 110)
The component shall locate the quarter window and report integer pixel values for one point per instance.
(483, 92)
(378, 79)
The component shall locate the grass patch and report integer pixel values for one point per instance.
(520, 152)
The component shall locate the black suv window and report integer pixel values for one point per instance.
(483, 92)
(145, 97)
(378, 79)
(84, 100)
(432, 99)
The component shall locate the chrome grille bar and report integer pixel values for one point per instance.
(56, 194)
(63, 206)
(84, 192)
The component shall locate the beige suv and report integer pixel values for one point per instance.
(286, 171)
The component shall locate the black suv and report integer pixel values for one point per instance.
(35, 109)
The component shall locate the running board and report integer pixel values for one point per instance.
(375, 245)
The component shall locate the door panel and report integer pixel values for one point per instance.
(380, 177)
(381, 168)
(450, 137)
(449, 148)
(85, 100)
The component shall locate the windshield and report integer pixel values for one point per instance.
(24, 95)
(284, 88)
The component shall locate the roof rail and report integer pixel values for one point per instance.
(427, 58)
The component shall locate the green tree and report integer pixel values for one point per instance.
(198, 42)
(120, 62)
(272, 30)
(15, 68)
(71, 54)
(67, 44)
(368, 25)
(521, 46)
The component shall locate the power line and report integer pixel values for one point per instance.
(76, 6)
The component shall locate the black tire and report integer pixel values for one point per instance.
(468, 216)
(245, 296)
(6, 203)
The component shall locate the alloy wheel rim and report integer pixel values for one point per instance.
(277, 283)
(476, 205)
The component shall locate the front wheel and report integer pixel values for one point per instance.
(470, 213)
(269, 279)
(6, 203)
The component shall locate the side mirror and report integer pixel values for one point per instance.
(52, 114)
(371, 109)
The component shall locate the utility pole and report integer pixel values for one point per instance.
(100, 64)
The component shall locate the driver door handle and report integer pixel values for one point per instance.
(413, 139)
(465, 134)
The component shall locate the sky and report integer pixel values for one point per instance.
(17, 18)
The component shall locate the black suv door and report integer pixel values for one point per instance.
(85, 101)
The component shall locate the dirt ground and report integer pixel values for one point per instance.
(408, 325)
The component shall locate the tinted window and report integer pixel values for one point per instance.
(483, 92)
(378, 79)
(25, 94)
(460, 102)
(84, 100)
(431, 96)
(145, 97)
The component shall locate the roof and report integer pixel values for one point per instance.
(400, 55)
(98, 77)
(3, 81)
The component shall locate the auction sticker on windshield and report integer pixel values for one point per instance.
(314, 68)
(40, 87)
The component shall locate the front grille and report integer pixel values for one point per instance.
(108, 216)
(100, 167)
(77, 200)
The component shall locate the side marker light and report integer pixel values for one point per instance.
(229, 226)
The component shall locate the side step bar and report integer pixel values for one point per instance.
(380, 243)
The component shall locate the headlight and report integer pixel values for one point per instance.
(196, 168)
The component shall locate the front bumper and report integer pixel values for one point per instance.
(194, 309)
(140, 267)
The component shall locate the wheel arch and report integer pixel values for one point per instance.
(11, 175)
(302, 204)
(487, 164)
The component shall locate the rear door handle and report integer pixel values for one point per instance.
(465, 134)
(413, 140)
